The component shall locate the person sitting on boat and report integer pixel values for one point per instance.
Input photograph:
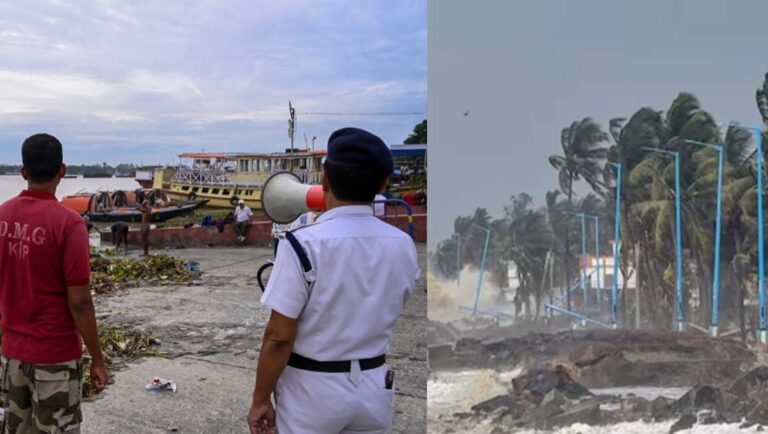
(120, 235)
(146, 218)
(243, 216)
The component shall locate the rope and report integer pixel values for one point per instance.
(238, 262)
(364, 114)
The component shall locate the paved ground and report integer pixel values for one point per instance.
(212, 330)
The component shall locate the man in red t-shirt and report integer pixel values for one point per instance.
(45, 301)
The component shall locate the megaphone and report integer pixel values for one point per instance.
(284, 198)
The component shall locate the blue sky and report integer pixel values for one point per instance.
(142, 81)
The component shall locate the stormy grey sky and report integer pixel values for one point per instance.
(526, 69)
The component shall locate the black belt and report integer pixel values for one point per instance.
(300, 362)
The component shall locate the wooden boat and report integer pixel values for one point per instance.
(123, 205)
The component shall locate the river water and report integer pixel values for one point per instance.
(11, 185)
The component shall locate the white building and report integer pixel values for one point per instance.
(606, 272)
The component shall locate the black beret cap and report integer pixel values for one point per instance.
(353, 147)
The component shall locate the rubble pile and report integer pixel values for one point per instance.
(541, 399)
(549, 398)
(605, 358)
(744, 399)
(111, 274)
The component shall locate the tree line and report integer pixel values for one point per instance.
(82, 169)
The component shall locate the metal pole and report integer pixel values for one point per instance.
(637, 287)
(762, 333)
(616, 241)
(291, 129)
(715, 311)
(716, 271)
(458, 260)
(679, 305)
(679, 246)
(584, 261)
(482, 269)
(584, 319)
(543, 282)
(551, 278)
(597, 260)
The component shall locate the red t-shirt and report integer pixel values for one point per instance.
(43, 249)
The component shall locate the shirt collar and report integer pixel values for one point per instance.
(347, 211)
(37, 194)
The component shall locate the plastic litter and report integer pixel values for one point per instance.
(161, 384)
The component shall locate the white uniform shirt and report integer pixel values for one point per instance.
(363, 271)
(379, 209)
(243, 215)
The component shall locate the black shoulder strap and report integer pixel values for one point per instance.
(300, 252)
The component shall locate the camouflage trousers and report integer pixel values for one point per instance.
(40, 399)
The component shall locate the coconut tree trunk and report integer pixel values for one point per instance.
(705, 300)
(741, 287)
(652, 282)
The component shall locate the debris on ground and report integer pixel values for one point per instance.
(119, 345)
(160, 384)
(111, 274)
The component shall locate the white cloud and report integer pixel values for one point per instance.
(205, 71)
(177, 85)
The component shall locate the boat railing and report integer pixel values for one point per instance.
(208, 177)
(309, 177)
(186, 175)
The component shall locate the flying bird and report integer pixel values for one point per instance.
(466, 113)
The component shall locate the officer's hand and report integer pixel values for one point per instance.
(261, 418)
(99, 378)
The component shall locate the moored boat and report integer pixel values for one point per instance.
(123, 205)
(145, 175)
(224, 178)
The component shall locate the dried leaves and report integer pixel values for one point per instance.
(111, 274)
(120, 344)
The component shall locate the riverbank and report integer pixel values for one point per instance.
(211, 330)
(173, 235)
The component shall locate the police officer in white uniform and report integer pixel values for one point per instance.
(337, 288)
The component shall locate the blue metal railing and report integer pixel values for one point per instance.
(397, 203)
(576, 315)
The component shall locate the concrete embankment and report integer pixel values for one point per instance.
(259, 232)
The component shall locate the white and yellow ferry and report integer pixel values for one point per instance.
(224, 178)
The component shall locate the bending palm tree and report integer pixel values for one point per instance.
(581, 159)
